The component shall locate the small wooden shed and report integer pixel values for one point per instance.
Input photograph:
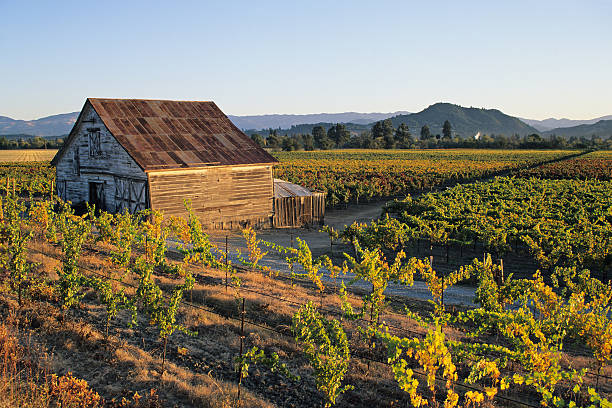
(296, 206)
(135, 154)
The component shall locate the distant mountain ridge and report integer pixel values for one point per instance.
(465, 122)
(54, 125)
(602, 128)
(552, 123)
(275, 121)
(62, 124)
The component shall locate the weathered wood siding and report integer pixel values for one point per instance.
(225, 197)
(299, 211)
(124, 182)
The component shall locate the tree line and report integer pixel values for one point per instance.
(29, 142)
(383, 135)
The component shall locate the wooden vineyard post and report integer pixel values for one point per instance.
(321, 299)
(226, 264)
(442, 278)
(164, 355)
(501, 270)
(241, 345)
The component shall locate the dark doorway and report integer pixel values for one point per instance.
(96, 195)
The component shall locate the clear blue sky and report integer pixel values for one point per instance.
(533, 59)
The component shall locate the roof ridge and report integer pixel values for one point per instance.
(148, 100)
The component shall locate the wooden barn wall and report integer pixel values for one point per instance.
(299, 211)
(222, 197)
(113, 167)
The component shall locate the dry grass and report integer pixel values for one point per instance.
(22, 371)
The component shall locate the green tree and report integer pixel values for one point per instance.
(447, 130)
(309, 143)
(274, 140)
(403, 137)
(289, 144)
(257, 138)
(318, 133)
(339, 134)
(327, 144)
(384, 131)
(425, 133)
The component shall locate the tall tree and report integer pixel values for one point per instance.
(339, 134)
(377, 130)
(274, 140)
(403, 137)
(318, 133)
(425, 132)
(257, 138)
(309, 142)
(447, 130)
(327, 143)
(383, 131)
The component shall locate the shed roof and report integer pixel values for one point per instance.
(284, 188)
(161, 134)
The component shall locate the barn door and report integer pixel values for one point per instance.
(138, 195)
(130, 194)
(121, 202)
(96, 195)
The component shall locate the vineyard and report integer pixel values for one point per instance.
(351, 176)
(560, 222)
(150, 312)
(25, 179)
(596, 165)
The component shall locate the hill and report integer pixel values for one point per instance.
(464, 121)
(603, 128)
(48, 126)
(259, 122)
(552, 123)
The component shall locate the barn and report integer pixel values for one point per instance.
(135, 154)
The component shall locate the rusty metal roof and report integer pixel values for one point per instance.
(161, 134)
(284, 188)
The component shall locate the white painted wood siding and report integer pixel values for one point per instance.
(76, 168)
